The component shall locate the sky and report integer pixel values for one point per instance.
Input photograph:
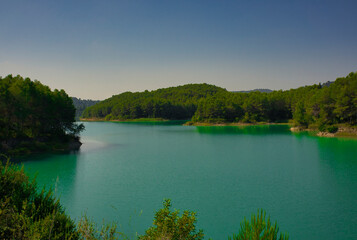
(94, 49)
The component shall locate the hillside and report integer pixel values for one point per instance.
(81, 104)
(318, 106)
(34, 118)
(168, 103)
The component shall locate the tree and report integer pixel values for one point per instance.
(31, 113)
(259, 229)
(169, 225)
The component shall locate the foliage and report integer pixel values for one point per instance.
(32, 116)
(88, 230)
(27, 214)
(168, 103)
(317, 105)
(169, 225)
(81, 104)
(259, 229)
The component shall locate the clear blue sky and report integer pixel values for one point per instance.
(94, 49)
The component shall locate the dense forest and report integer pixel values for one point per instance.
(81, 104)
(34, 118)
(168, 103)
(319, 105)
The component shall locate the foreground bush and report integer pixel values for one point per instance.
(258, 229)
(27, 214)
(89, 230)
(169, 225)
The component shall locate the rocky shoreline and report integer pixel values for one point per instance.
(343, 131)
(189, 123)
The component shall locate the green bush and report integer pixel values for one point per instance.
(169, 225)
(88, 230)
(322, 127)
(258, 229)
(332, 129)
(27, 214)
(328, 128)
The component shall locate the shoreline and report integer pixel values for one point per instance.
(342, 132)
(125, 120)
(230, 124)
(21, 149)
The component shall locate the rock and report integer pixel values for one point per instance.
(325, 134)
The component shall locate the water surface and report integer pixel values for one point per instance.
(124, 171)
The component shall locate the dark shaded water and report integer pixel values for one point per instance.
(125, 170)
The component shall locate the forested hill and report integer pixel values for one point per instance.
(319, 105)
(81, 104)
(33, 118)
(169, 103)
(256, 90)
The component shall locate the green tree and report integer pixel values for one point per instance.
(259, 228)
(169, 225)
(300, 117)
(32, 116)
(26, 213)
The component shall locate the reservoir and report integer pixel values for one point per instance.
(124, 171)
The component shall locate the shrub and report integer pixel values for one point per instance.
(27, 214)
(169, 225)
(258, 229)
(88, 230)
(332, 129)
(322, 127)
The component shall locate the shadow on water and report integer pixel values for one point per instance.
(150, 123)
(248, 130)
(54, 171)
(41, 156)
(87, 146)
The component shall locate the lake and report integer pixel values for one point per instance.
(124, 171)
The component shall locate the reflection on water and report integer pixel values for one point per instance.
(250, 130)
(56, 172)
(338, 149)
(92, 145)
(153, 123)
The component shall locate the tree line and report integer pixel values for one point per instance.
(81, 104)
(319, 105)
(168, 103)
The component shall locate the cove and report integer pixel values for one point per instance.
(124, 171)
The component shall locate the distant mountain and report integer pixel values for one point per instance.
(81, 104)
(327, 84)
(263, 90)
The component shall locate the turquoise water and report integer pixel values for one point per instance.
(124, 171)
